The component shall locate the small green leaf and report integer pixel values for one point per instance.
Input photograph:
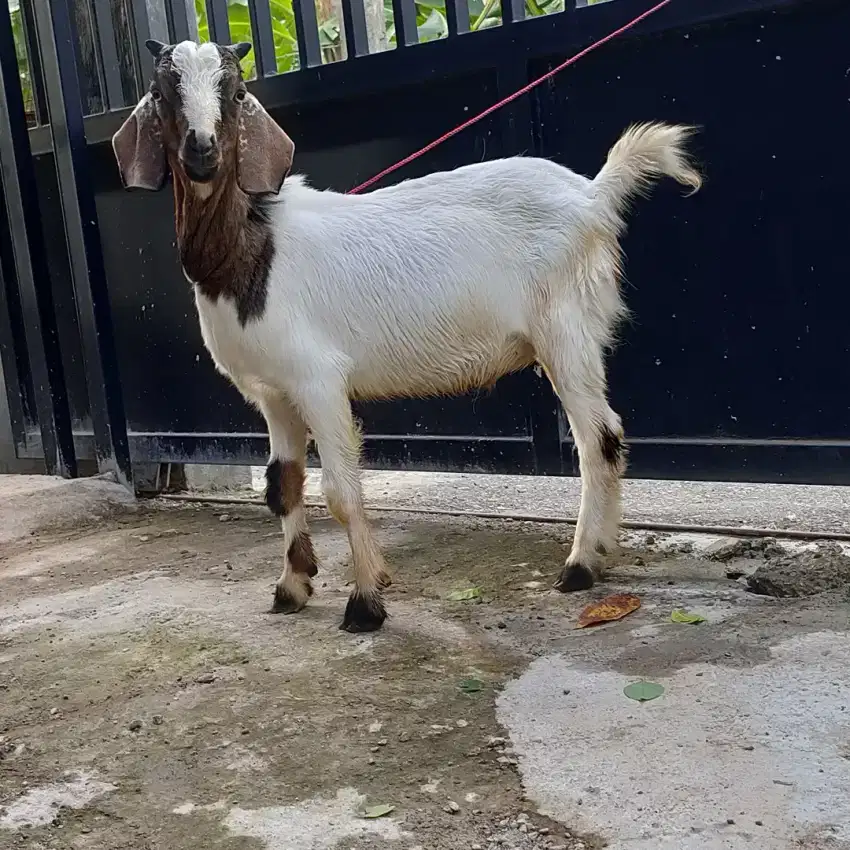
(464, 595)
(471, 686)
(680, 616)
(377, 811)
(643, 691)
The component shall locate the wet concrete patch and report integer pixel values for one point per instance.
(726, 758)
(40, 806)
(313, 824)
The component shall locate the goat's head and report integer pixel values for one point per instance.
(198, 117)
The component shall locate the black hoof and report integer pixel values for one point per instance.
(363, 613)
(574, 577)
(286, 603)
(385, 580)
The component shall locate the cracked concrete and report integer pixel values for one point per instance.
(137, 655)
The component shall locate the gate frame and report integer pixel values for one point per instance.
(522, 40)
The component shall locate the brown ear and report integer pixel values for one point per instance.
(265, 151)
(139, 149)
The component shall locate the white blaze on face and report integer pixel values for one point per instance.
(200, 70)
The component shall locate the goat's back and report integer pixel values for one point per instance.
(444, 274)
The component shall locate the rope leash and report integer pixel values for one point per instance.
(511, 97)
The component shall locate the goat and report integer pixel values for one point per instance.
(437, 285)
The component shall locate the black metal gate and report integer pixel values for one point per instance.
(734, 366)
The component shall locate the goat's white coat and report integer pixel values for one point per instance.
(436, 285)
(421, 288)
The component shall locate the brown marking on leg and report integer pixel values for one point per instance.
(292, 485)
(301, 555)
(611, 446)
(274, 494)
(284, 486)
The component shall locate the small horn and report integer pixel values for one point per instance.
(155, 47)
(242, 49)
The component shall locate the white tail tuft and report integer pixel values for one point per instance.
(641, 155)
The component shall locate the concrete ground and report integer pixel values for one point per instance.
(148, 701)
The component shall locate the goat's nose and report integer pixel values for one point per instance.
(200, 143)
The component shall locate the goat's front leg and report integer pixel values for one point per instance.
(329, 416)
(285, 498)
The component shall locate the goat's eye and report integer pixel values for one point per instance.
(240, 95)
(156, 94)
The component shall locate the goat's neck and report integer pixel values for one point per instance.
(209, 218)
(224, 240)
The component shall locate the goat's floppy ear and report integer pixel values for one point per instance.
(264, 150)
(139, 148)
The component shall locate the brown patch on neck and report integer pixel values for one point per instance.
(225, 241)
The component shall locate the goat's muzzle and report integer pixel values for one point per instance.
(200, 157)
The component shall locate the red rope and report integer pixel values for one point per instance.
(431, 145)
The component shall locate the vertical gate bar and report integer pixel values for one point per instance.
(404, 16)
(13, 343)
(92, 72)
(9, 356)
(141, 33)
(218, 22)
(356, 35)
(88, 274)
(107, 54)
(307, 33)
(260, 16)
(457, 17)
(178, 20)
(34, 57)
(512, 11)
(30, 258)
(125, 43)
(89, 68)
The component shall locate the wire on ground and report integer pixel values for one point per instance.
(633, 525)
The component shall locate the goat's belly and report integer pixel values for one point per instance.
(450, 371)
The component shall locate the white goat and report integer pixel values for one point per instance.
(437, 285)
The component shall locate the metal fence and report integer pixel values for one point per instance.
(719, 376)
(287, 36)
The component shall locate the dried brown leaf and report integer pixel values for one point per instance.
(610, 608)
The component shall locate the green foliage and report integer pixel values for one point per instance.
(430, 22)
(283, 30)
(21, 53)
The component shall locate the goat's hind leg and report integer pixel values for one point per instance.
(576, 370)
(285, 498)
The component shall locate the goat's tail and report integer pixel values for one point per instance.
(644, 153)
